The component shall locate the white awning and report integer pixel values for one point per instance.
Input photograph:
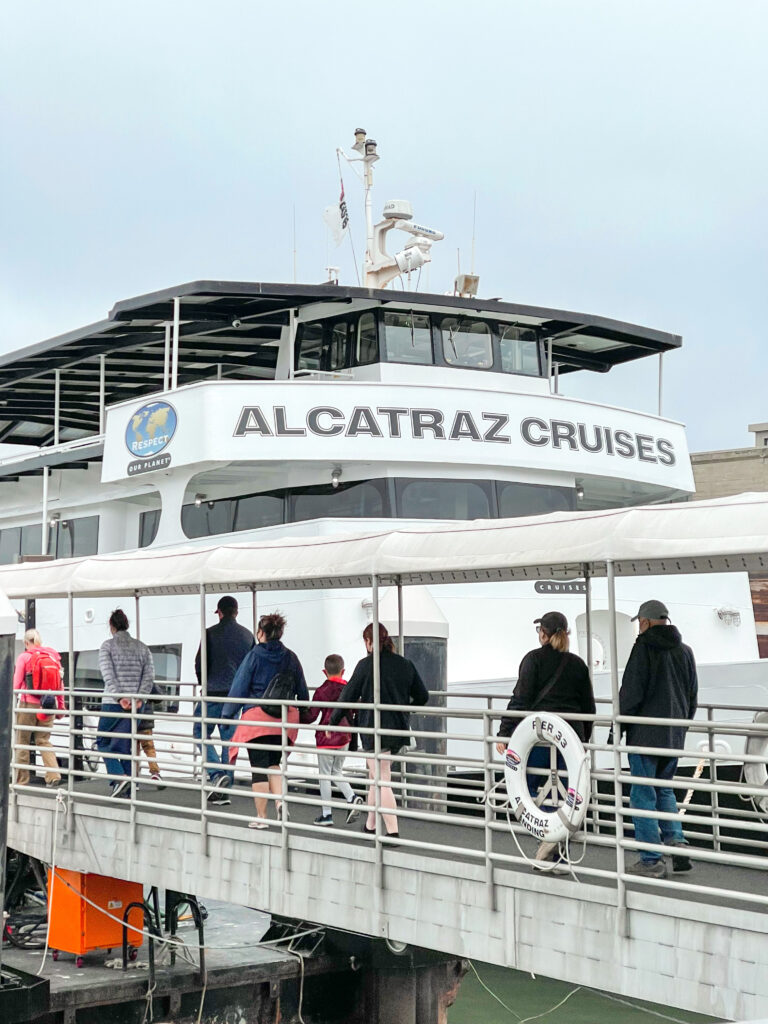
(726, 534)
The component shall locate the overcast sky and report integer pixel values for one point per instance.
(618, 150)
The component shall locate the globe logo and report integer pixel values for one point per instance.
(150, 429)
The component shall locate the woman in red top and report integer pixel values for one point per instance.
(32, 725)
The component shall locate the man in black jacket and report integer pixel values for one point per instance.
(226, 644)
(659, 682)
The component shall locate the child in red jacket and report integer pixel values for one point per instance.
(332, 746)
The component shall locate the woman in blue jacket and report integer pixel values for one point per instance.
(262, 663)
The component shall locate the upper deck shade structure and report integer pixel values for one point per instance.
(131, 340)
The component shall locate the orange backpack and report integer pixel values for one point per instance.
(43, 671)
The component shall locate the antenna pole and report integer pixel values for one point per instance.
(294, 243)
(368, 220)
(474, 222)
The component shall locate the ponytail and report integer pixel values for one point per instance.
(559, 641)
(385, 640)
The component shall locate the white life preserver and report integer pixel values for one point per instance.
(756, 774)
(549, 826)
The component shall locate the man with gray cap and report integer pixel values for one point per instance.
(659, 682)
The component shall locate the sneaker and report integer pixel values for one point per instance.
(279, 811)
(258, 823)
(547, 852)
(218, 798)
(356, 806)
(326, 820)
(121, 789)
(648, 869)
(680, 861)
(222, 781)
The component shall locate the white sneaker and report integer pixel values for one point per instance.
(355, 807)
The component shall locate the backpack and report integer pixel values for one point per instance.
(43, 671)
(282, 686)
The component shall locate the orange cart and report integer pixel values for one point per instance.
(80, 906)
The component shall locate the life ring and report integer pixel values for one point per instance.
(549, 826)
(755, 773)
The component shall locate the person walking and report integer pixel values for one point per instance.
(226, 645)
(269, 660)
(37, 669)
(127, 669)
(400, 684)
(550, 678)
(332, 745)
(659, 681)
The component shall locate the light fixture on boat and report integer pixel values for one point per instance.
(335, 476)
(729, 616)
(370, 151)
(54, 519)
(199, 499)
(579, 491)
(359, 140)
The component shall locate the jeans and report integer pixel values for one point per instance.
(539, 757)
(226, 732)
(654, 798)
(330, 762)
(117, 743)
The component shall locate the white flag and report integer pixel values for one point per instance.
(337, 218)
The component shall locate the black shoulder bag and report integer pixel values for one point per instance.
(550, 684)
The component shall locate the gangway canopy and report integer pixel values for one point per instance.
(721, 535)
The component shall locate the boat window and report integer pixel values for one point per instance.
(71, 538)
(467, 343)
(10, 544)
(367, 341)
(533, 499)
(359, 500)
(257, 510)
(31, 539)
(337, 348)
(444, 499)
(407, 338)
(208, 518)
(166, 659)
(520, 352)
(310, 346)
(148, 524)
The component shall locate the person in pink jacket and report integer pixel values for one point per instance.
(332, 745)
(33, 725)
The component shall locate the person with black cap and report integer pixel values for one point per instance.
(226, 644)
(550, 678)
(659, 682)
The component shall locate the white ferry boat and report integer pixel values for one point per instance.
(241, 411)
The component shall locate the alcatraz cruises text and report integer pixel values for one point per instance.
(418, 423)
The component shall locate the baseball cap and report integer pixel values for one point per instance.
(552, 621)
(651, 610)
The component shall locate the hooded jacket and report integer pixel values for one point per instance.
(332, 689)
(260, 665)
(659, 682)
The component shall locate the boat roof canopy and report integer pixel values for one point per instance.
(720, 535)
(132, 341)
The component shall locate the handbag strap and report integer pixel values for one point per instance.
(558, 672)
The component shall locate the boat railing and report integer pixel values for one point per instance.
(447, 778)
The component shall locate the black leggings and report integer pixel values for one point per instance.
(261, 758)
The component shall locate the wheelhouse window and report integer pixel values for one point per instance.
(366, 499)
(407, 338)
(257, 510)
(533, 499)
(310, 346)
(444, 499)
(467, 343)
(520, 350)
(367, 349)
(338, 346)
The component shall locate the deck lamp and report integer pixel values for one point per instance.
(359, 139)
(370, 151)
(199, 499)
(335, 476)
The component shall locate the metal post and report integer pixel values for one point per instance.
(167, 357)
(621, 889)
(71, 705)
(400, 628)
(6, 747)
(488, 813)
(714, 795)
(137, 630)
(56, 404)
(549, 363)
(557, 378)
(291, 342)
(255, 613)
(588, 613)
(203, 722)
(377, 731)
(661, 378)
(102, 393)
(175, 360)
(44, 531)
